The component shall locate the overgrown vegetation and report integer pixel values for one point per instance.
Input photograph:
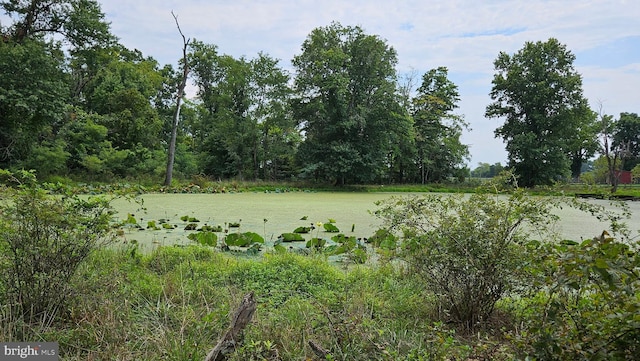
(457, 264)
(43, 240)
(470, 251)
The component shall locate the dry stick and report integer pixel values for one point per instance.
(318, 350)
(241, 318)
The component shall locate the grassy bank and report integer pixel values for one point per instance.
(175, 303)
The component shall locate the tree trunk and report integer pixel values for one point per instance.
(176, 115)
(576, 166)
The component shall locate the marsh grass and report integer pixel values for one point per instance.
(174, 304)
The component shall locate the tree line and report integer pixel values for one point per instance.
(76, 103)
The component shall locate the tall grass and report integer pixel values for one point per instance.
(174, 304)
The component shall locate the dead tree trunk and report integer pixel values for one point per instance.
(228, 343)
(176, 115)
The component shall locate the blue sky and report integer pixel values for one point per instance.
(463, 35)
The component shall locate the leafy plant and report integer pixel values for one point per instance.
(316, 243)
(302, 229)
(349, 246)
(384, 239)
(44, 239)
(291, 237)
(152, 225)
(243, 239)
(592, 307)
(469, 250)
(187, 218)
(205, 238)
(330, 227)
(208, 228)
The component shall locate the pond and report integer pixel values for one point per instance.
(271, 214)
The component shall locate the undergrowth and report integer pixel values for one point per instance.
(174, 304)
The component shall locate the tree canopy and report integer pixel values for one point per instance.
(440, 154)
(346, 103)
(76, 103)
(539, 94)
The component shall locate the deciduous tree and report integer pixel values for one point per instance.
(539, 94)
(346, 104)
(437, 130)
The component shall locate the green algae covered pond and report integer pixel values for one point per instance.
(271, 214)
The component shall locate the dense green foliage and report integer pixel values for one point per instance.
(74, 103)
(346, 104)
(618, 147)
(43, 241)
(539, 93)
(627, 139)
(592, 304)
(470, 251)
(439, 152)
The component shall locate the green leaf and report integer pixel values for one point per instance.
(243, 239)
(291, 237)
(329, 227)
(601, 263)
(205, 238)
(316, 243)
(302, 230)
(280, 249)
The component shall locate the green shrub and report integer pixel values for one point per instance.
(592, 306)
(469, 250)
(44, 239)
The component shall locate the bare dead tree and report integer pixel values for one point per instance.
(176, 115)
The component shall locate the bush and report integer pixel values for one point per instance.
(469, 250)
(591, 309)
(44, 239)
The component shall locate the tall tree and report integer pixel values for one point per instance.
(539, 93)
(612, 154)
(440, 152)
(122, 91)
(270, 95)
(346, 103)
(33, 84)
(226, 134)
(583, 143)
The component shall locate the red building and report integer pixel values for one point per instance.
(624, 176)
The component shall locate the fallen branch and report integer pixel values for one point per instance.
(229, 342)
(318, 350)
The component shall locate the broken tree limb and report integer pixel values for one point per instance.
(318, 350)
(227, 344)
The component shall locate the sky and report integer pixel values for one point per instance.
(465, 36)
